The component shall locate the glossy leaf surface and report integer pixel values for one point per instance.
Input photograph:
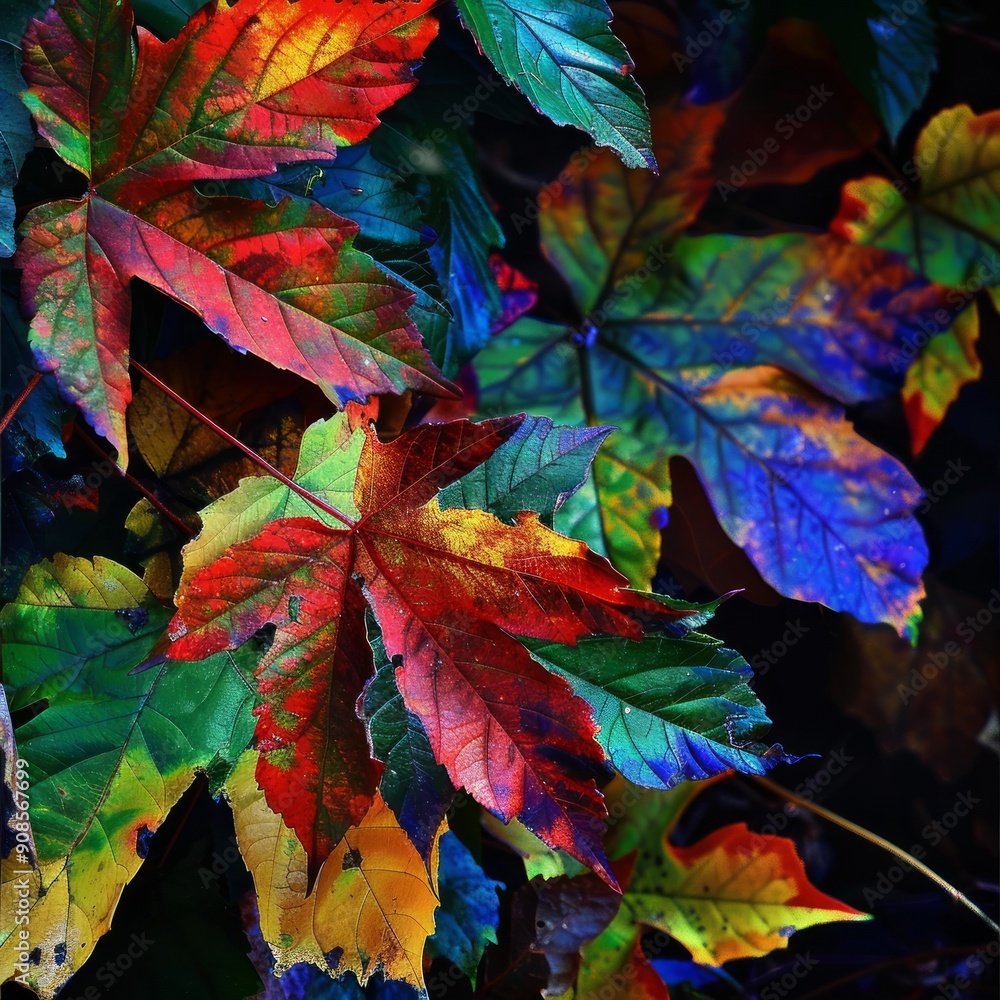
(569, 65)
(110, 753)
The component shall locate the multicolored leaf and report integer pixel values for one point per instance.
(111, 752)
(221, 101)
(538, 468)
(950, 229)
(448, 588)
(675, 357)
(414, 785)
(372, 907)
(632, 217)
(935, 379)
(570, 66)
(733, 894)
(668, 709)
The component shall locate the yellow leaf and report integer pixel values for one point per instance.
(734, 894)
(373, 902)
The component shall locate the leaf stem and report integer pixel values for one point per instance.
(886, 845)
(174, 519)
(21, 397)
(237, 443)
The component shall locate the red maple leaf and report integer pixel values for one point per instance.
(450, 590)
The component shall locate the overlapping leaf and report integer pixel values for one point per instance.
(372, 907)
(936, 377)
(906, 57)
(111, 752)
(16, 134)
(679, 355)
(239, 91)
(537, 468)
(733, 894)
(950, 229)
(470, 910)
(448, 588)
(668, 709)
(440, 170)
(798, 110)
(569, 65)
(414, 785)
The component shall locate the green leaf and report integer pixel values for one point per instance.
(567, 62)
(112, 751)
(166, 17)
(668, 709)
(538, 469)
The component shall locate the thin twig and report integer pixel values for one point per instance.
(21, 397)
(173, 518)
(237, 443)
(957, 895)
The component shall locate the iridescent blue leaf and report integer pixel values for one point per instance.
(906, 56)
(470, 910)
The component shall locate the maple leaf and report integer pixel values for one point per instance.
(372, 907)
(223, 100)
(109, 754)
(449, 589)
(733, 894)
